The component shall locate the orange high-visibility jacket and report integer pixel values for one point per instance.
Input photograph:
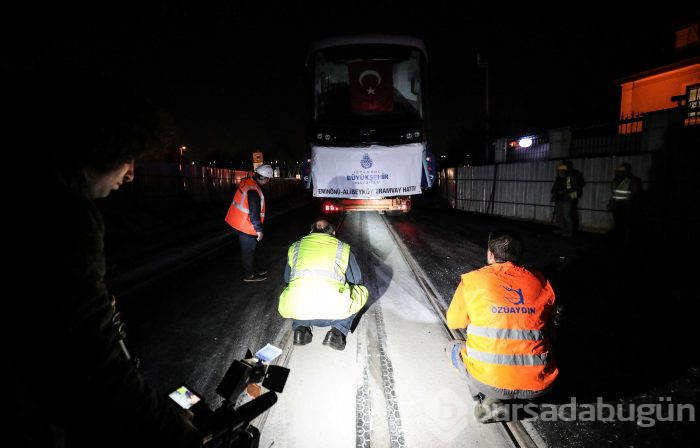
(237, 215)
(506, 310)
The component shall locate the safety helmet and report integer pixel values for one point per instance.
(562, 167)
(265, 171)
(623, 167)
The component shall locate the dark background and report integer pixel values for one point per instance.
(229, 74)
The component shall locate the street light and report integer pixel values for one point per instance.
(525, 142)
(182, 150)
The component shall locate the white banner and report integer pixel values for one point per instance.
(366, 173)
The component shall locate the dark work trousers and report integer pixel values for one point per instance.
(624, 219)
(343, 325)
(565, 212)
(248, 245)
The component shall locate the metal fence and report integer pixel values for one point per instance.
(162, 185)
(629, 135)
(538, 149)
(522, 190)
(623, 137)
(665, 156)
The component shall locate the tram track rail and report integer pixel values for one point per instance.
(514, 430)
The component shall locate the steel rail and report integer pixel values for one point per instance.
(515, 430)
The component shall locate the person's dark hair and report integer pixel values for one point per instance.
(505, 246)
(95, 123)
(322, 225)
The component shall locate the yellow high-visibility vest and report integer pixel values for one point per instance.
(317, 286)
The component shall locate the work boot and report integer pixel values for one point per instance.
(490, 410)
(254, 278)
(261, 271)
(302, 335)
(335, 339)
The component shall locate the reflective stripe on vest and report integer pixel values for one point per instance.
(622, 191)
(317, 287)
(504, 350)
(244, 194)
(336, 274)
(238, 215)
(510, 360)
(573, 194)
(505, 333)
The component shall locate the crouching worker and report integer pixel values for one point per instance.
(508, 313)
(323, 286)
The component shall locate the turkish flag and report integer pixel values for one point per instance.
(371, 86)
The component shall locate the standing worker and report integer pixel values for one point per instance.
(72, 382)
(624, 202)
(508, 312)
(323, 286)
(566, 191)
(246, 215)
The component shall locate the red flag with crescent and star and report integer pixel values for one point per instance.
(371, 86)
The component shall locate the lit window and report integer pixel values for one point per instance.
(693, 105)
(688, 36)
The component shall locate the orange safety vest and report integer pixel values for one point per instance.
(237, 215)
(506, 310)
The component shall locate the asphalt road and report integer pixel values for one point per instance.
(627, 333)
(191, 324)
(627, 337)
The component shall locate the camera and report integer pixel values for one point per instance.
(229, 426)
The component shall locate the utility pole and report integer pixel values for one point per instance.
(487, 139)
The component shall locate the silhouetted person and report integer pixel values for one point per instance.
(565, 193)
(624, 203)
(72, 383)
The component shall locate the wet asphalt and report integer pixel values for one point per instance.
(626, 336)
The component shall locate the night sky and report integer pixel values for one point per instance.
(230, 74)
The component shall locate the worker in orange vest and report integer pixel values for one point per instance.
(508, 313)
(246, 215)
